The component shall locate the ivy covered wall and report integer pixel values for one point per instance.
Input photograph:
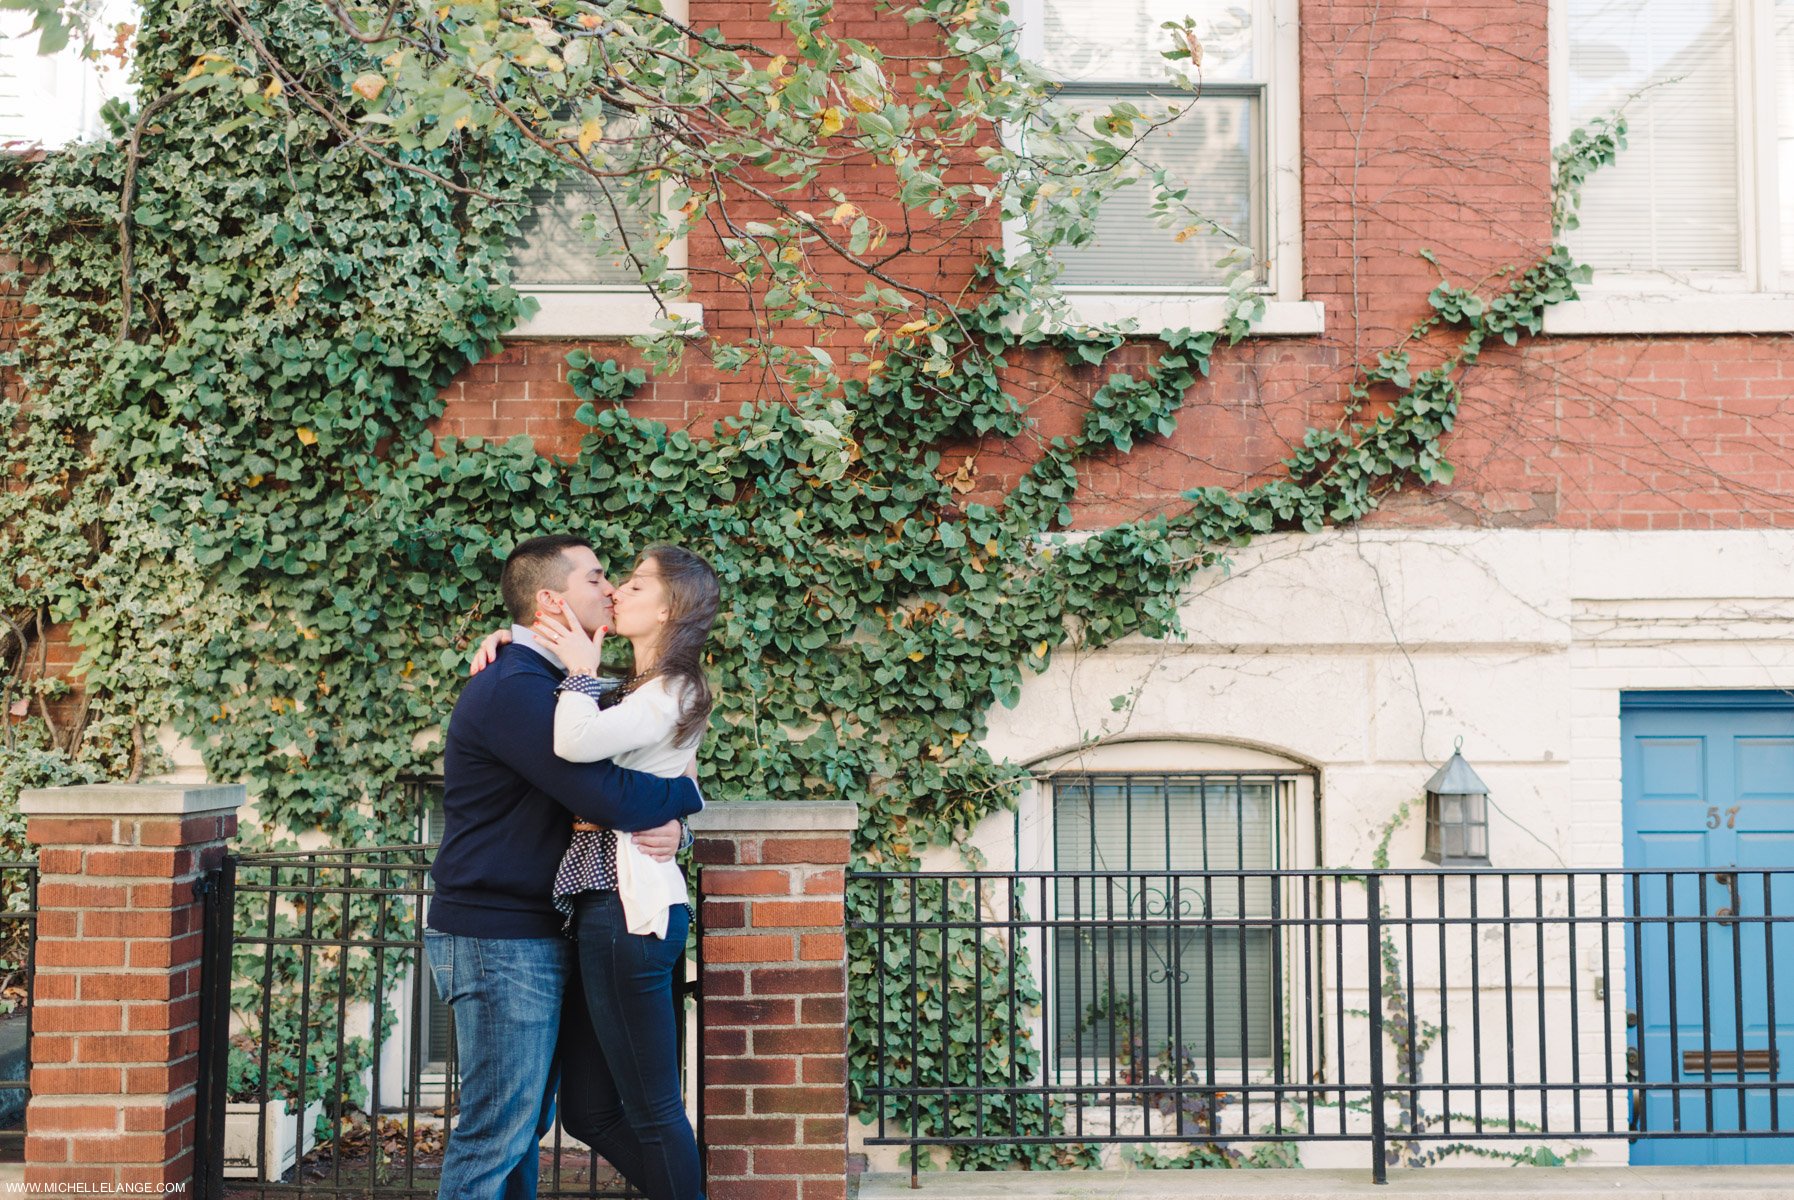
(235, 493)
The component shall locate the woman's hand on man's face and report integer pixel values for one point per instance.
(569, 642)
(482, 658)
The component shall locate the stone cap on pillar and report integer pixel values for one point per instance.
(775, 816)
(132, 800)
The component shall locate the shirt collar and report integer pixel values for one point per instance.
(522, 635)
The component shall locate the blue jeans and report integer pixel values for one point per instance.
(619, 1045)
(506, 994)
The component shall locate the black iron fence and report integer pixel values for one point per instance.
(18, 946)
(1173, 1018)
(328, 1064)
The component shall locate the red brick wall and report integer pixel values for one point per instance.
(1424, 126)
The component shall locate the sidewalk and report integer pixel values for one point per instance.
(1488, 1183)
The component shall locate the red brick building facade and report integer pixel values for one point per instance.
(1422, 127)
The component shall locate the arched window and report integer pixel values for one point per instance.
(1164, 954)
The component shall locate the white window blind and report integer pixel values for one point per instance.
(1783, 17)
(1102, 40)
(1128, 979)
(1214, 149)
(1104, 52)
(558, 245)
(1671, 202)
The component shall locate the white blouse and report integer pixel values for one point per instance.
(637, 732)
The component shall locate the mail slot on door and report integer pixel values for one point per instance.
(1730, 1062)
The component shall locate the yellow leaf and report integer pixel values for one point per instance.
(199, 64)
(776, 66)
(307, 437)
(407, 669)
(273, 89)
(876, 365)
(590, 20)
(991, 547)
(369, 86)
(590, 132)
(910, 327)
(832, 121)
(1040, 650)
(916, 656)
(253, 481)
(463, 121)
(844, 213)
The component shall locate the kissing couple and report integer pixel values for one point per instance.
(558, 916)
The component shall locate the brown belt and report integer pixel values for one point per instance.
(586, 827)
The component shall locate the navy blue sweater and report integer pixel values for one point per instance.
(507, 801)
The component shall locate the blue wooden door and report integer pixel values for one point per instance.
(1708, 793)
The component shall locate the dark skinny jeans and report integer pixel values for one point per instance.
(619, 1050)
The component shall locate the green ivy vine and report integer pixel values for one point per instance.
(231, 495)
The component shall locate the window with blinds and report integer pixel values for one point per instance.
(1147, 960)
(559, 245)
(439, 1019)
(1671, 201)
(1105, 52)
(1784, 132)
(1704, 191)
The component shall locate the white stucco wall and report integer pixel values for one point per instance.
(1367, 654)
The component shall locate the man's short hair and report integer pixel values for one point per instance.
(537, 563)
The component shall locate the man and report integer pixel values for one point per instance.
(494, 939)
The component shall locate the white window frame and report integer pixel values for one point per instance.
(1200, 308)
(50, 102)
(409, 995)
(1757, 300)
(613, 310)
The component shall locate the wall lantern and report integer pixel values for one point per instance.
(1457, 815)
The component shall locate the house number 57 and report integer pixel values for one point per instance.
(1730, 816)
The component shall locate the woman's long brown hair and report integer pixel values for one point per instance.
(692, 596)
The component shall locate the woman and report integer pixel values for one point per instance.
(620, 1071)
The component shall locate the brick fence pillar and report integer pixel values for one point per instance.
(115, 1016)
(774, 959)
